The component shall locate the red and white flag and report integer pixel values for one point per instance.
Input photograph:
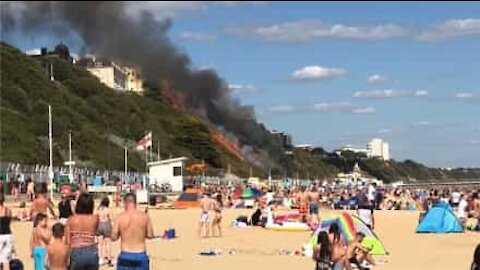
(145, 142)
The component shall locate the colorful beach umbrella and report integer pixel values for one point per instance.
(349, 225)
(247, 193)
(344, 222)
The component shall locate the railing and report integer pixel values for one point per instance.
(39, 173)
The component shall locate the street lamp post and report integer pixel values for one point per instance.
(50, 168)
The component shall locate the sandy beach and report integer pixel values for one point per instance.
(259, 248)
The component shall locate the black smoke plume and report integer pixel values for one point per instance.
(108, 30)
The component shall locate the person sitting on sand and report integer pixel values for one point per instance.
(322, 252)
(58, 252)
(22, 214)
(133, 227)
(358, 254)
(39, 241)
(256, 218)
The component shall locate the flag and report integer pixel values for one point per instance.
(145, 142)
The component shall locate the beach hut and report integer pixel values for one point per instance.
(349, 225)
(188, 199)
(440, 219)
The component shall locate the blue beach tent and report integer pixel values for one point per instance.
(440, 219)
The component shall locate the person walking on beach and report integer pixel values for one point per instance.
(314, 204)
(31, 190)
(65, 208)
(58, 252)
(133, 227)
(365, 212)
(80, 233)
(303, 206)
(217, 218)
(104, 231)
(205, 205)
(41, 205)
(6, 239)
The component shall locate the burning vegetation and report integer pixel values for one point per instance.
(140, 39)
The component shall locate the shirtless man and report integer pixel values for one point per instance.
(206, 205)
(302, 200)
(39, 241)
(314, 199)
(58, 251)
(133, 227)
(41, 205)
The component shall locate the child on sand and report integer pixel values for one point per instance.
(58, 251)
(39, 241)
(22, 214)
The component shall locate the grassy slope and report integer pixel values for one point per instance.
(101, 120)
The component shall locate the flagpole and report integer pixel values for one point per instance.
(270, 178)
(146, 159)
(126, 161)
(150, 157)
(50, 168)
(70, 171)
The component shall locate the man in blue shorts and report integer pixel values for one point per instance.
(133, 227)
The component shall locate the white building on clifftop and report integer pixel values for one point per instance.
(113, 75)
(378, 148)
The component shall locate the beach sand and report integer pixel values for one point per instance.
(257, 248)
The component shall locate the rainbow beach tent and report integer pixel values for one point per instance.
(349, 225)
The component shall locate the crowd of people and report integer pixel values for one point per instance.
(309, 201)
(331, 253)
(78, 237)
(76, 234)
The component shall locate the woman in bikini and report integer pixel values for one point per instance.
(104, 232)
(322, 252)
(339, 250)
(80, 233)
(217, 218)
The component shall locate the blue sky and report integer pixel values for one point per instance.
(338, 73)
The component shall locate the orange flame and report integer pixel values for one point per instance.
(232, 146)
